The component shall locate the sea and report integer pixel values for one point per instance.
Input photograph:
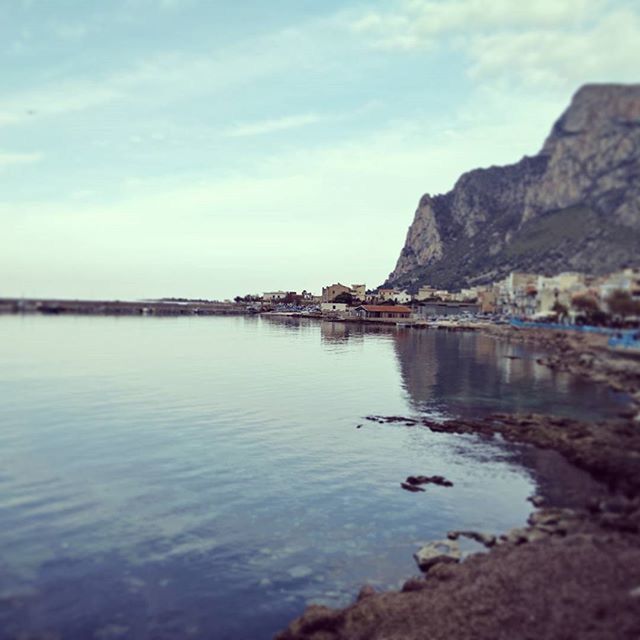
(210, 477)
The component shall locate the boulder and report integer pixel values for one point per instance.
(437, 552)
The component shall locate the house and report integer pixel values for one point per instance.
(558, 290)
(488, 299)
(395, 295)
(382, 311)
(276, 296)
(359, 291)
(333, 308)
(330, 293)
(426, 292)
(627, 280)
(430, 293)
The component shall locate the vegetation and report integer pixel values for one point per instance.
(590, 312)
(622, 305)
(560, 310)
(344, 297)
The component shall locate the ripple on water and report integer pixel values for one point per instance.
(204, 477)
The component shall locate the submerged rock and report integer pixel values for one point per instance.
(410, 487)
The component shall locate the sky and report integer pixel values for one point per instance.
(209, 148)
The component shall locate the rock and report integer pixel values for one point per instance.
(366, 592)
(414, 584)
(533, 535)
(515, 536)
(536, 500)
(439, 480)
(410, 487)
(547, 517)
(485, 539)
(441, 572)
(440, 551)
(579, 195)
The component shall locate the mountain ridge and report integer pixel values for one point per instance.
(573, 206)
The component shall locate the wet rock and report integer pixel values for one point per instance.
(515, 536)
(536, 500)
(439, 480)
(410, 487)
(534, 535)
(547, 517)
(438, 552)
(366, 592)
(485, 539)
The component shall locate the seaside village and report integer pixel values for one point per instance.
(567, 298)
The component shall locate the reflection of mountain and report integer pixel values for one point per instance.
(462, 370)
(470, 374)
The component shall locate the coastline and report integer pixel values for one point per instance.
(590, 557)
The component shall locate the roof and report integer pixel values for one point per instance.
(394, 308)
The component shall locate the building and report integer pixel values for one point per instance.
(558, 290)
(330, 293)
(276, 296)
(518, 294)
(426, 293)
(395, 295)
(382, 311)
(359, 291)
(333, 308)
(430, 293)
(627, 280)
(488, 300)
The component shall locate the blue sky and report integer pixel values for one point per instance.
(206, 148)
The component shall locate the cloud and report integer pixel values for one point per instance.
(536, 43)
(271, 126)
(159, 79)
(70, 31)
(293, 207)
(606, 51)
(416, 23)
(13, 159)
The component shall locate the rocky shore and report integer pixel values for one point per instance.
(568, 573)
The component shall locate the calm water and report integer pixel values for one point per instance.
(204, 478)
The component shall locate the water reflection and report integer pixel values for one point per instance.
(204, 477)
(474, 374)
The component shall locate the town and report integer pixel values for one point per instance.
(569, 298)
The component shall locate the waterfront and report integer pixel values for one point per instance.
(199, 477)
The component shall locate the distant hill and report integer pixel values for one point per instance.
(573, 206)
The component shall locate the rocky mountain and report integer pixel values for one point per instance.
(573, 206)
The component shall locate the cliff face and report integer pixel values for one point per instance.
(574, 206)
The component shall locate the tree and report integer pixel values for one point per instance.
(585, 304)
(589, 308)
(560, 310)
(622, 304)
(344, 297)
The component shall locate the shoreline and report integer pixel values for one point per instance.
(568, 573)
